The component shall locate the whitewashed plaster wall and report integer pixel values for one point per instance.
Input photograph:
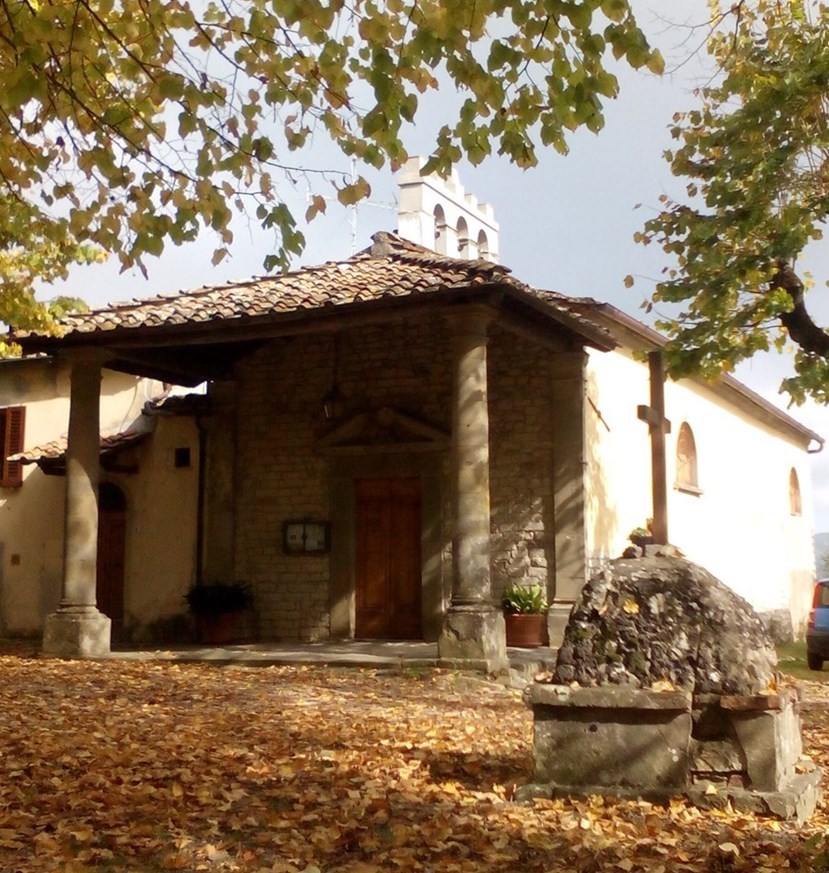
(162, 511)
(740, 526)
(31, 516)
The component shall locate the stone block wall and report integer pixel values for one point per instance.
(521, 447)
(279, 474)
(279, 478)
(406, 365)
(594, 739)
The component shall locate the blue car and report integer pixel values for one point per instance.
(817, 631)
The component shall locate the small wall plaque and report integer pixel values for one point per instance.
(305, 537)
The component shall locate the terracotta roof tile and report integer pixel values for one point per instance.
(110, 443)
(391, 268)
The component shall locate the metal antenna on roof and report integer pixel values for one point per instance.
(352, 218)
(352, 209)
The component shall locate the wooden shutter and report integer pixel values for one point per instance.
(13, 420)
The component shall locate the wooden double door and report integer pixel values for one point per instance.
(388, 559)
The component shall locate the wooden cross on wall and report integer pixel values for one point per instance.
(659, 426)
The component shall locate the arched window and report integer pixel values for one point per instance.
(463, 238)
(440, 230)
(795, 505)
(686, 459)
(483, 245)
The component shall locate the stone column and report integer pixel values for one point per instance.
(473, 629)
(78, 629)
(569, 461)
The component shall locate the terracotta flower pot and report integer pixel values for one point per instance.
(526, 630)
(218, 629)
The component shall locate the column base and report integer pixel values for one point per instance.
(557, 617)
(474, 640)
(77, 635)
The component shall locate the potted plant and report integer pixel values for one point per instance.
(525, 615)
(641, 536)
(217, 606)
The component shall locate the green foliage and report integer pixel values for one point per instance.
(63, 305)
(524, 599)
(755, 156)
(135, 125)
(32, 248)
(214, 598)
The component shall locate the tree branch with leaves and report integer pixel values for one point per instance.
(756, 157)
(128, 126)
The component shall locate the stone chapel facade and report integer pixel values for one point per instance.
(391, 440)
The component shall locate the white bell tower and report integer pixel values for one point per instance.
(437, 214)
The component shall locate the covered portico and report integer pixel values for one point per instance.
(409, 340)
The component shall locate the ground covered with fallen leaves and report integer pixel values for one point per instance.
(116, 766)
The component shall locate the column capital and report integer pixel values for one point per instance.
(91, 356)
(470, 319)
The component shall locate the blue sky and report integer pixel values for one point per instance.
(566, 225)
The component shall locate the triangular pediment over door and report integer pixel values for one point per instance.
(383, 430)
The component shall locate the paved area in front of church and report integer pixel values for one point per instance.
(388, 654)
(346, 653)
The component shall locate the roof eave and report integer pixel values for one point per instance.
(225, 330)
(726, 385)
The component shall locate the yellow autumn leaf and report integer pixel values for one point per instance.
(663, 685)
(729, 848)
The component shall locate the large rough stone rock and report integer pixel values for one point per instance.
(645, 621)
(778, 625)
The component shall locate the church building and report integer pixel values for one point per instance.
(389, 441)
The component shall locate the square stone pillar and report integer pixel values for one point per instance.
(569, 461)
(78, 629)
(218, 558)
(473, 629)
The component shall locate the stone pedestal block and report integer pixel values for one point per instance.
(772, 745)
(611, 737)
(77, 634)
(715, 749)
(474, 639)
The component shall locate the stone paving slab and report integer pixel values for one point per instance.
(524, 664)
(346, 653)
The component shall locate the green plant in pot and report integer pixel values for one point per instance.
(525, 615)
(641, 536)
(217, 606)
